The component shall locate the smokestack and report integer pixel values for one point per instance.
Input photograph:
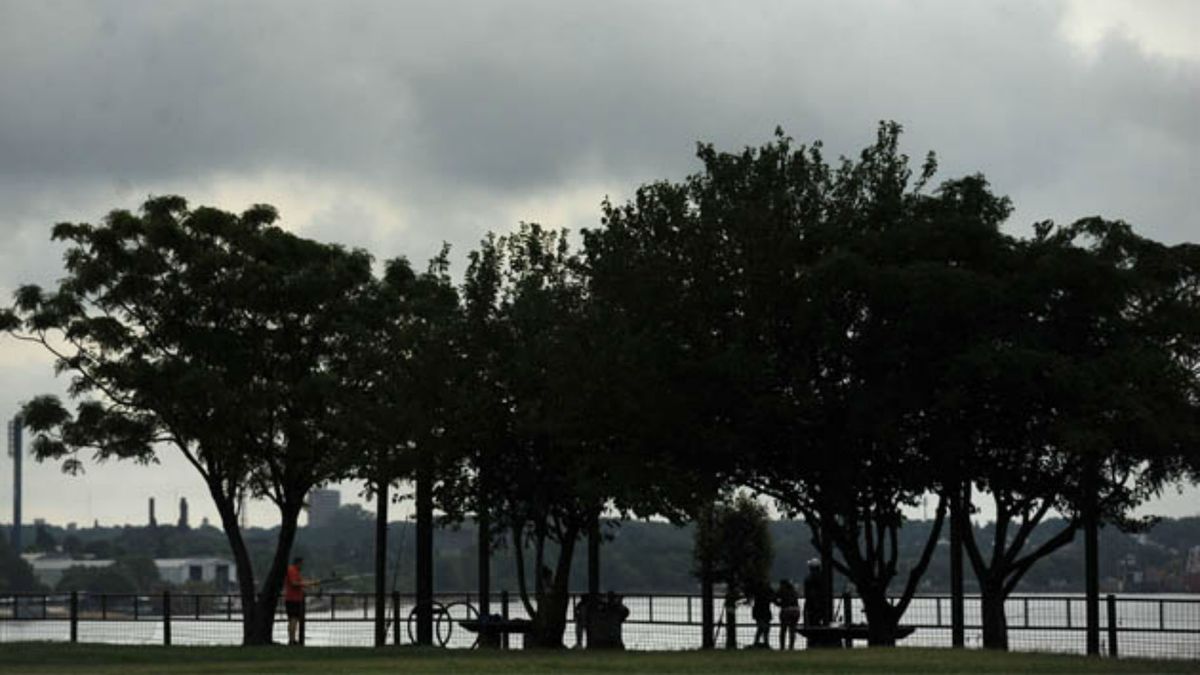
(153, 521)
(15, 449)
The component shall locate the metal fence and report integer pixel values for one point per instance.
(1156, 627)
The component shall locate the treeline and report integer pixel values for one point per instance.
(640, 557)
(842, 337)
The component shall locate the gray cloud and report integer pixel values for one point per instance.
(396, 126)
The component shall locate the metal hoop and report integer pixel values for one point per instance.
(469, 613)
(436, 612)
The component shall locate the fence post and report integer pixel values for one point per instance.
(504, 615)
(848, 610)
(167, 618)
(396, 618)
(1112, 625)
(304, 619)
(74, 616)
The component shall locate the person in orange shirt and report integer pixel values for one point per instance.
(293, 598)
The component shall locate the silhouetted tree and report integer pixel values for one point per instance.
(211, 333)
(735, 542)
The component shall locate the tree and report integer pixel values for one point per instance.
(16, 575)
(1116, 328)
(399, 381)
(541, 458)
(211, 333)
(791, 361)
(735, 542)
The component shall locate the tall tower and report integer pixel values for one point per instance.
(16, 451)
(323, 506)
(183, 513)
(153, 520)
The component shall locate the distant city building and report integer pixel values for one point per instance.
(153, 520)
(50, 570)
(322, 505)
(16, 450)
(183, 513)
(1191, 571)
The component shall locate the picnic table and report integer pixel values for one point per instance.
(836, 636)
(492, 630)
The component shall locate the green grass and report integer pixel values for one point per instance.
(60, 658)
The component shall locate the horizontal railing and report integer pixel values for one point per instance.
(1162, 627)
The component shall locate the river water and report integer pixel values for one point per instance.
(1158, 626)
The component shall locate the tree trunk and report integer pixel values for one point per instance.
(881, 618)
(995, 620)
(424, 550)
(483, 522)
(260, 631)
(227, 510)
(1091, 556)
(826, 553)
(958, 520)
(550, 622)
(593, 560)
(731, 641)
(707, 639)
(381, 537)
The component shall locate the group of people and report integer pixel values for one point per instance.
(604, 614)
(816, 601)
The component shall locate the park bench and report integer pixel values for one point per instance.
(836, 636)
(492, 630)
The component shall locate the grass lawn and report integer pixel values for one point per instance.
(62, 658)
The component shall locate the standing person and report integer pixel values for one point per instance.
(293, 598)
(789, 613)
(814, 596)
(583, 613)
(762, 615)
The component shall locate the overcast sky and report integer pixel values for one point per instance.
(395, 127)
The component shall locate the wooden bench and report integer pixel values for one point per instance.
(492, 631)
(836, 636)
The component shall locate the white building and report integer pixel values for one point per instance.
(177, 571)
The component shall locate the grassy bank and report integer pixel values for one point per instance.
(60, 658)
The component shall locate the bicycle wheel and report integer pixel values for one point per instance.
(455, 612)
(436, 610)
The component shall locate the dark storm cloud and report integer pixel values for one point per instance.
(432, 103)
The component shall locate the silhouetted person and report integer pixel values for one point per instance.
(583, 613)
(815, 596)
(789, 612)
(761, 612)
(293, 598)
(607, 617)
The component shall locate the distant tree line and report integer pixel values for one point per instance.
(844, 338)
(640, 557)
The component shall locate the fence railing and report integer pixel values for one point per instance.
(1158, 627)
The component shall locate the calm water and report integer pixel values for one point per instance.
(1163, 626)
